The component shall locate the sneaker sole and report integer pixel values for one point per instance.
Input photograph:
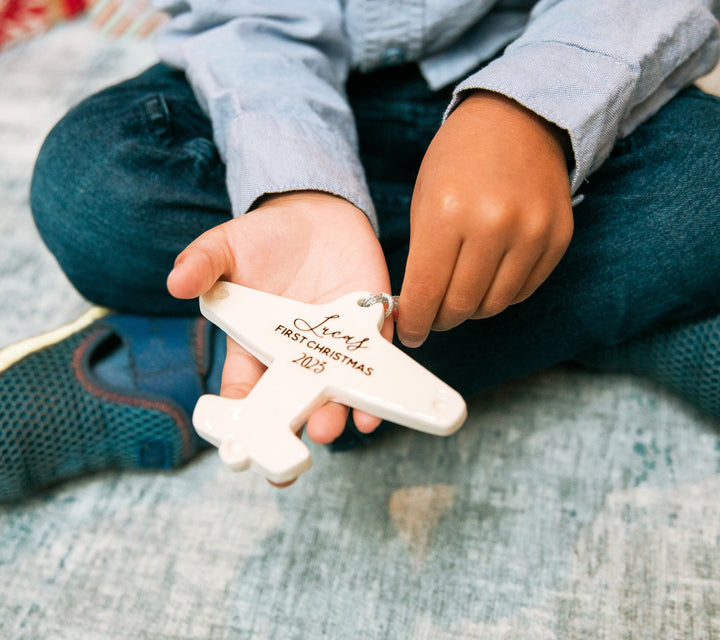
(16, 352)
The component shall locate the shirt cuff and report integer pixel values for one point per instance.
(266, 155)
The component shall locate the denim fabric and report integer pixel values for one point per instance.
(125, 181)
(131, 176)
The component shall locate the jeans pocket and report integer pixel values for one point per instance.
(176, 128)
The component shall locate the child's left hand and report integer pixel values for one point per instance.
(491, 215)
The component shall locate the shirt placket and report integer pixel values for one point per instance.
(390, 32)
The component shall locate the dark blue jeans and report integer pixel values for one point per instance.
(131, 176)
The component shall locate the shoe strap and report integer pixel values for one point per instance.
(168, 357)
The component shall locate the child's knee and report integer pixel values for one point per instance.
(115, 197)
(82, 208)
(63, 196)
(72, 172)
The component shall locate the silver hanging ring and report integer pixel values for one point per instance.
(389, 301)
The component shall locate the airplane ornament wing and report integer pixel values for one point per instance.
(402, 391)
(245, 315)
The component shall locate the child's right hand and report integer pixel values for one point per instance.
(490, 216)
(308, 246)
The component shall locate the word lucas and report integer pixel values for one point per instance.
(304, 335)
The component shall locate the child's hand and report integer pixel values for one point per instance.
(308, 246)
(490, 216)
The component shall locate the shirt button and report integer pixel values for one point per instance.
(393, 55)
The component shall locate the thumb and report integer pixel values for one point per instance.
(202, 263)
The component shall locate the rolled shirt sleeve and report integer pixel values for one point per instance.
(599, 69)
(271, 77)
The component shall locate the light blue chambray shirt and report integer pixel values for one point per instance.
(271, 73)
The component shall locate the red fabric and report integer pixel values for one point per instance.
(22, 19)
(73, 7)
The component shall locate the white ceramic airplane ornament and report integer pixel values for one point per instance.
(314, 353)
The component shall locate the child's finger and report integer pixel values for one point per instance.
(474, 272)
(546, 264)
(240, 372)
(429, 268)
(327, 422)
(365, 422)
(511, 275)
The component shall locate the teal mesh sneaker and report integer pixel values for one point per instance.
(684, 358)
(105, 392)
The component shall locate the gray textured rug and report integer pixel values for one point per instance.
(570, 505)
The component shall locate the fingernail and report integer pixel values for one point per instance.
(412, 343)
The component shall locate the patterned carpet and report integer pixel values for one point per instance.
(570, 506)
